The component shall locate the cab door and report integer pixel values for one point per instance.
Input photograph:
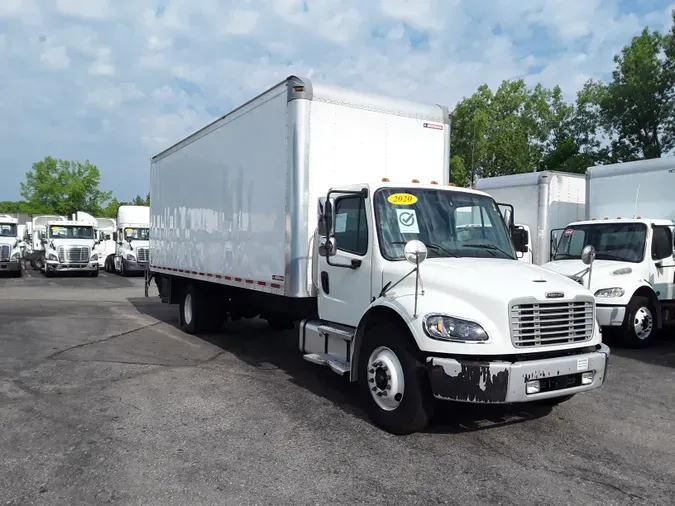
(344, 276)
(662, 266)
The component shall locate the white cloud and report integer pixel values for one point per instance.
(118, 81)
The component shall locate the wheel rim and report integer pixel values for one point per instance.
(643, 323)
(187, 309)
(386, 381)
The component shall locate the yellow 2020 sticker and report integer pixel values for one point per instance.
(128, 230)
(402, 199)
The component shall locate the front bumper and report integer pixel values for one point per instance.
(10, 266)
(502, 382)
(135, 266)
(610, 316)
(56, 266)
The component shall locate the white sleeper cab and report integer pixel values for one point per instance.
(69, 246)
(11, 245)
(300, 208)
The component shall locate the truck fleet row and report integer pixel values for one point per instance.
(330, 211)
(82, 243)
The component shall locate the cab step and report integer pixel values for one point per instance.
(337, 365)
(336, 330)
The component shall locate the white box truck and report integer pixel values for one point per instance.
(629, 222)
(132, 251)
(329, 207)
(545, 203)
(10, 245)
(69, 246)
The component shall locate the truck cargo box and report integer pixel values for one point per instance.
(643, 188)
(544, 201)
(236, 202)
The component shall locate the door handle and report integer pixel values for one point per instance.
(325, 285)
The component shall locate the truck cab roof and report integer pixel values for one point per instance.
(647, 221)
(69, 223)
(373, 186)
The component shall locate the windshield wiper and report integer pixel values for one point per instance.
(490, 247)
(430, 245)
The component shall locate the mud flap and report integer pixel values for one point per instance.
(148, 277)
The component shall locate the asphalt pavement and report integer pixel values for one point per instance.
(104, 401)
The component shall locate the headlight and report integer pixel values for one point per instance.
(52, 256)
(448, 328)
(94, 256)
(131, 258)
(610, 293)
(15, 256)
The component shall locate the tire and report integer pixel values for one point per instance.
(123, 271)
(554, 401)
(409, 405)
(198, 313)
(639, 327)
(39, 264)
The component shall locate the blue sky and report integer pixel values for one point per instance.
(116, 81)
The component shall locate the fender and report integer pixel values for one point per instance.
(378, 310)
(646, 289)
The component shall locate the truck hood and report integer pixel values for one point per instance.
(480, 290)
(493, 279)
(573, 266)
(137, 243)
(10, 241)
(73, 242)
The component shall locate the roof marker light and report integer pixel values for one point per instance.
(452, 184)
(415, 180)
(434, 182)
(606, 218)
(385, 179)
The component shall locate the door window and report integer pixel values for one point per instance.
(662, 243)
(351, 226)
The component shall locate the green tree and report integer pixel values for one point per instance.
(635, 109)
(110, 211)
(458, 173)
(64, 187)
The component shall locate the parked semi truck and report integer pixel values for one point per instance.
(69, 247)
(10, 245)
(329, 207)
(629, 222)
(36, 254)
(132, 250)
(106, 228)
(545, 202)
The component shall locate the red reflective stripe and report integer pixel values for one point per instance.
(262, 283)
(220, 276)
(275, 285)
(249, 281)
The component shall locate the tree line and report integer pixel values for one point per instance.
(63, 187)
(513, 129)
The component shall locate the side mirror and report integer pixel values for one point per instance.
(114, 236)
(588, 255)
(325, 215)
(415, 252)
(327, 247)
(520, 238)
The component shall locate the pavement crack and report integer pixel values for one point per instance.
(96, 341)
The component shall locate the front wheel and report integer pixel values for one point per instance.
(394, 381)
(639, 327)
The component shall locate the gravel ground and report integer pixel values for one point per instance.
(104, 400)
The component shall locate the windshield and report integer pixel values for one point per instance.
(624, 242)
(450, 223)
(136, 234)
(70, 232)
(7, 230)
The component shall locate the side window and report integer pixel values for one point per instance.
(662, 243)
(351, 226)
(472, 224)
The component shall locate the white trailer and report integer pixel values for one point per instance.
(10, 245)
(545, 202)
(318, 204)
(629, 221)
(132, 251)
(69, 246)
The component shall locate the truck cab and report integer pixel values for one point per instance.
(133, 240)
(413, 308)
(632, 276)
(10, 245)
(69, 246)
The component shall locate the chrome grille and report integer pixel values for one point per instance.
(142, 255)
(5, 251)
(544, 323)
(73, 254)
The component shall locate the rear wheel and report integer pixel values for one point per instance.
(394, 381)
(199, 313)
(639, 327)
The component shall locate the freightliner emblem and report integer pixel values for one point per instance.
(554, 295)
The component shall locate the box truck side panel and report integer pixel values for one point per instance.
(567, 204)
(218, 207)
(643, 188)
